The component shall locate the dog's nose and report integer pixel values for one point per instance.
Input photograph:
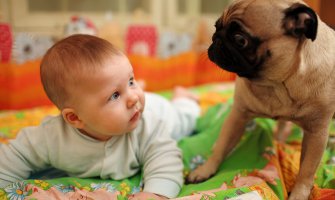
(214, 37)
(217, 39)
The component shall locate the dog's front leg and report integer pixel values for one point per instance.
(231, 132)
(313, 145)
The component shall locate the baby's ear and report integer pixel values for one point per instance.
(72, 118)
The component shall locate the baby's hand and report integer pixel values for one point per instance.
(146, 196)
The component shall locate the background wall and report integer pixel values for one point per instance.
(50, 16)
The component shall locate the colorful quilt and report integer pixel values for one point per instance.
(258, 168)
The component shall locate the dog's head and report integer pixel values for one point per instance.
(258, 38)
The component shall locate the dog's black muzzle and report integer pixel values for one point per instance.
(235, 51)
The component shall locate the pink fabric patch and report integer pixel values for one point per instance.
(6, 42)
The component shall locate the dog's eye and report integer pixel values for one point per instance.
(240, 40)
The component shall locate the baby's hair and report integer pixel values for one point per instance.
(68, 59)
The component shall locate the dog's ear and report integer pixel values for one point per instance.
(300, 20)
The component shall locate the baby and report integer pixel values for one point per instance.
(104, 130)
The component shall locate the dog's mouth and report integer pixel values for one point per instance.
(231, 61)
(234, 50)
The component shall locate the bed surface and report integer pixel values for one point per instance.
(258, 168)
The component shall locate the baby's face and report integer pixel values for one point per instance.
(109, 101)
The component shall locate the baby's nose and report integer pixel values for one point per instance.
(132, 100)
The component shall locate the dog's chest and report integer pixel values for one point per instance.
(271, 102)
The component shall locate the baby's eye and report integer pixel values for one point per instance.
(115, 96)
(131, 81)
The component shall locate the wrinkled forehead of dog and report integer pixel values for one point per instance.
(261, 15)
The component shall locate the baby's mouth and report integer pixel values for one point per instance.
(135, 116)
(138, 111)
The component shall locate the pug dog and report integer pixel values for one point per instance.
(284, 56)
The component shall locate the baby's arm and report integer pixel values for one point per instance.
(20, 157)
(161, 159)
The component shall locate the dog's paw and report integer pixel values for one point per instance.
(300, 192)
(202, 173)
(298, 196)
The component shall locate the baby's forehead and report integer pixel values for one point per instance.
(120, 61)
